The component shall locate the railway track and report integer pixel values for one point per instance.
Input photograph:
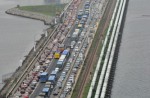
(92, 56)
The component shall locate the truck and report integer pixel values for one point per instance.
(61, 62)
(57, 54)
(66, 52)
(52, 79)
(43, 77)
(45, 93)
(75, 35)
(54, 73)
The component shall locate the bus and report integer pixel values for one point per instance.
(43, 77)
(66, 52)
(54, 73)
(61, 61)
(52, 79)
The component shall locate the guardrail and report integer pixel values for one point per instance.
(107, 57)
(112, 53)
(104, 76)
(102, 52)
(30, 65)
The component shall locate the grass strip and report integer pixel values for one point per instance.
(50, 10)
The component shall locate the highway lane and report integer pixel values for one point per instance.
(41, 85)
(52, 65)
(88, 23)
(50, 68)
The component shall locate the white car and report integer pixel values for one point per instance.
(56, 69)
(47, 62)
(76, 48)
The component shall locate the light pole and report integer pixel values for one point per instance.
(34, 47)
(45, 32)
(34, 43)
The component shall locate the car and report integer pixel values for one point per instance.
(68, 64)
(63, 74)
(77, 22)
(81, 38)
(72, 75)
(37, 68)
(83, 33)
(68, 35)
(85, 45)
(66, 90)
(56, 69)
(47, 61)
(56, 91)
(74, 70)
(70, 59)
(60, 79)
(79, 42)
(72, 44)
(76, 65)
(59, 85)
(76, 48)
(71, 79)
(63, 95)
(48, 84)
(66, 69)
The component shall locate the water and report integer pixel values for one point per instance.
(133, 67)
(17, 35)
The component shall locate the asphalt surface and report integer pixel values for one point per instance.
(51, 67)
(53, 63)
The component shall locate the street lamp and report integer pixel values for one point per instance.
(34, 47)
(45, 32)
(34, 44)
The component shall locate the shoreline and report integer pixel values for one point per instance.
(31, 15)
(28, 14)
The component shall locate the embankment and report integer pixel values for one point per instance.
(33, 15)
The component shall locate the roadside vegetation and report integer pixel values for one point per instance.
(50, 10)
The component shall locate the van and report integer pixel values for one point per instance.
(56, 91)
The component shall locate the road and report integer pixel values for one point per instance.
(53, 65)
(92, 55)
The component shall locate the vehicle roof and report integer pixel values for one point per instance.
(62, 57)
(45, 90)
(44, 73)
(53, 72)
(65, 52)
(51, 78)
(59, 62)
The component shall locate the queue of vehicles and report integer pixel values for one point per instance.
(62, 62)
(79, 45)
(39, 73)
